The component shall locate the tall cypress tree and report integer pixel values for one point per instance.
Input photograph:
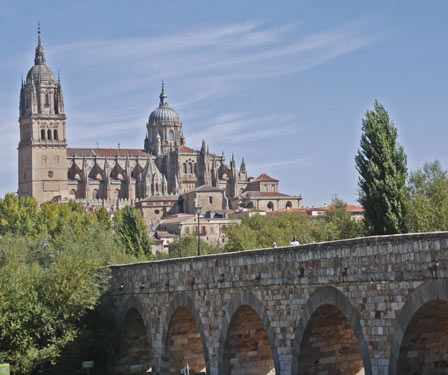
(382, 166)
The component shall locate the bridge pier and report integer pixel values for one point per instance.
(364, 306)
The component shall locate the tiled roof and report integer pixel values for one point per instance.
(264, 178)
(184, 148)
(161, 198)
(102, 152)
(264, 194)
(206, 188)
(349, 208)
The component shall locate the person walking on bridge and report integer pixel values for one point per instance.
(294, 241)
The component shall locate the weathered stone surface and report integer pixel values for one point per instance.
(369, 305)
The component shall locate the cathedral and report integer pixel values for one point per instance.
(165, 166)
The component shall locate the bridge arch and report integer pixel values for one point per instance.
(423, 319)
(327, 302)
(247, 303)
(182, 319)
(135, 336)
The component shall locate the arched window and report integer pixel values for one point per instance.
(185, 168)
(96, 194)
(42, 134)
(47, 100)
(55, 135)
(171, 136)
(117, 194)
(157, 187)
(271, 206)
(48, 134)
(190, 167)
(288, 204)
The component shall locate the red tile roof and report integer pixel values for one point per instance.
(267, 194)
(264, 178)
(184, 148)
(102, 152)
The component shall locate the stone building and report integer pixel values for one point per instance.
(165, 166)
(265, 195)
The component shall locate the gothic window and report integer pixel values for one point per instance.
(55, 135)
(48, 134)
(96, 194)
(157, 187)
(185, 168)
(56, 104)
(117, 194)
(171, 136)
(42, 134)
(190, 168)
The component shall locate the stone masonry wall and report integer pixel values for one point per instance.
(377, 283)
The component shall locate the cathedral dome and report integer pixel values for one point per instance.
(164, 114)
(40, 72)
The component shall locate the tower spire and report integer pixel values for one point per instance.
(163, 96)
(39, 57)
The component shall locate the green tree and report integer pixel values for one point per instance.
(19, 216)
(340, 224)
(43, 310)
(102, 216)
(132, 232)
(428, 198)
(246, 202)
(259, 231)
(382, 166)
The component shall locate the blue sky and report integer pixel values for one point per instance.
(283, 84)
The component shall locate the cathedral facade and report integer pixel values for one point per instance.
(165, 166)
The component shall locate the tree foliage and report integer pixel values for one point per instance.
(382, 166)
(132, 231)
(246, 202)
(255, 232)
(50, 294)
(340, 224)
(428, 198)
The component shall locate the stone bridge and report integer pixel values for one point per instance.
(375, 305)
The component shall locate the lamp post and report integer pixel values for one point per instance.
(180, 238)
(45, 243)
(198, 210)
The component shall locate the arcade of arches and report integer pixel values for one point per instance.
(328, 346)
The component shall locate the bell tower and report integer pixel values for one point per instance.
(43, 144)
